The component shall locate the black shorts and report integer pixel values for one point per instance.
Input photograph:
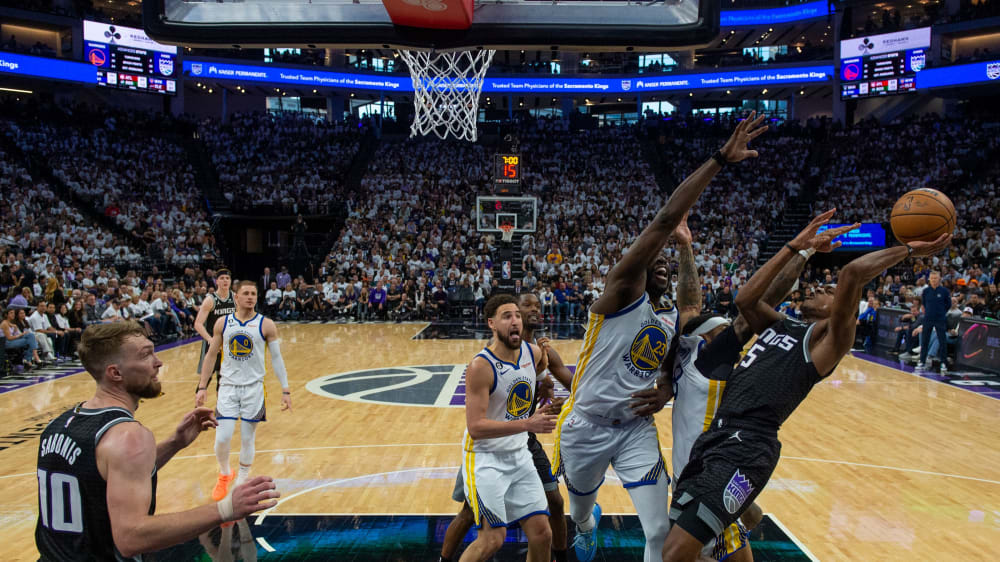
(729, 467)
(542, 464)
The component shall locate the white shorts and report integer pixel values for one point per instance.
(586, 449)
(245, 402)
(503, 488)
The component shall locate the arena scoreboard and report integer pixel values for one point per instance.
(884, 64)
(507, 172)
(128, 59)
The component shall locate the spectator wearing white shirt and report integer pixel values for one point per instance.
(50, 340)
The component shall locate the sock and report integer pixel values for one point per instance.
(587, 524)
(243, 475)
(223, 436)
(559, 555)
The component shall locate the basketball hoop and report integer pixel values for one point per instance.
(446, 88)
(506, 232)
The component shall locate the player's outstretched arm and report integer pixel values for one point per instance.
(478, 383)
(270, 333)
(627, 279)
(836, 335)
(689, 295)
(126, 457)
(776, 292)
(557, 367)
(760, 314)
(215, 344)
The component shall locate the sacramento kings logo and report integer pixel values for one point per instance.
(166, 66)
(993, 70)
(736, 492)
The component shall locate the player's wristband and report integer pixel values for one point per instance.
(199, 390)
(226, 508)
(289, 393)
(720, 159)
(807, 253)
(909, 250)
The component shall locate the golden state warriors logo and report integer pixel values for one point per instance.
(240, 347)
(518, 399)
(647, 350)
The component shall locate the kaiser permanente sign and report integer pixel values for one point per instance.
(658, 83)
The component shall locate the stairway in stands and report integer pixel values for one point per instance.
(516, 261)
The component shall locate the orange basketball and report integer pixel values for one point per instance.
(922, 214)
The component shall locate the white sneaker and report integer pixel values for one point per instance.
(921, 366)
(944, 369)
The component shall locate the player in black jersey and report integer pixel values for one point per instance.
(97, 465)
(215, 306)
(731, 462)
(531, 313)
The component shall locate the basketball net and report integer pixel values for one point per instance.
(446, 88)
(507, 232)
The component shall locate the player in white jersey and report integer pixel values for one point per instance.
(242, 337)
(608, 417)
(501, 484)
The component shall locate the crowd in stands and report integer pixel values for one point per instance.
(126, 168)
(38, 49)
(288, 163)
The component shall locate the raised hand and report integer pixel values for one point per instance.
(193, 423)
(254, 495)
(735, 149)
(682, 233)
(824, 241)
(820, 242)
(924, 249)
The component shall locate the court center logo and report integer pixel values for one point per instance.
(518, 399)
(440, 386)
(240, 346)
(647, 350)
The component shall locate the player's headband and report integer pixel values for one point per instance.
(709, 325)
(222, 272)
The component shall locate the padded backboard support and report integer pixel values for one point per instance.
(499, 24)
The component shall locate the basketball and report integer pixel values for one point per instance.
(922, 215)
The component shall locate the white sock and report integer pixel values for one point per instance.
(243, 474)
(223, 437)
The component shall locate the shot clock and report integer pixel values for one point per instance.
(507, 173)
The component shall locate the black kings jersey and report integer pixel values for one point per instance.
(773, 378)
(221, 307)
(73, 521)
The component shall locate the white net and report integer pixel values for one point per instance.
(446, 88)
(507, 232)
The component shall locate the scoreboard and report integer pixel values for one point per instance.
(882, 74)
(881, 65)
(507, 173)
(128, 59)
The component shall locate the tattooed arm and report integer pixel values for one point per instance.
(689, 296)
(775, 293)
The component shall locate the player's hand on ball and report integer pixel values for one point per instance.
(286, 402)
(735, 149)
(256, 494)
(199, 399)
(541, 423)
(648, 402)
(924, 249)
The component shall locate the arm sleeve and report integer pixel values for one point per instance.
(724, 350)
(278, 363)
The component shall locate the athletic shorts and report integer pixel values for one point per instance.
(587, 447)
(245, 402)
(729, 467)
(734, 538)
(503, 487)
(542, 465)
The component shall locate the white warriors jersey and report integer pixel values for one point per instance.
(621, 355)
(511, 398)
(696, 398)
(242, 351)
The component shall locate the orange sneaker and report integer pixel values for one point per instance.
(222, 486)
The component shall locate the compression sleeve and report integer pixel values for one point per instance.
(278, 363)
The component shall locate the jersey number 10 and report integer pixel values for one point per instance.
(52, 492)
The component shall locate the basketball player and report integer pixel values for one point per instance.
(608, 417)
(97, 465)
(531, 314)
(707, 350)
(501, 483)
(731, 462)
(219, 304)
(241, 378)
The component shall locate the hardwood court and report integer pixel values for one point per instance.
(876, 465)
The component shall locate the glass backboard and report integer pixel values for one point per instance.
(496, 24)
(494, 211)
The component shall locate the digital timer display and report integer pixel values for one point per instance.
(507, 169)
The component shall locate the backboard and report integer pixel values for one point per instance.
(494, 211)
(495, 24)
